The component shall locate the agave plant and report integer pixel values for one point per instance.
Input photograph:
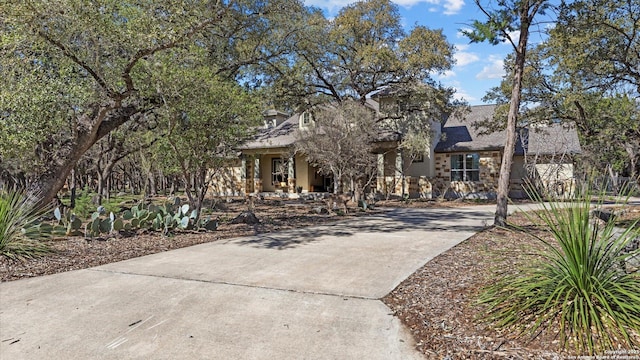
(20, 233)
(578, 287)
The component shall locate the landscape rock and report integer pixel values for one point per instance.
(319, 210)
(246, 217)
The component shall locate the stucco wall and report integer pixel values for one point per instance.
(227, 181)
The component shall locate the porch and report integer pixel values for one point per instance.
(276, 173)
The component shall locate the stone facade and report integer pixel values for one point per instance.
(227, 181)
(489, 174)
(414, 186)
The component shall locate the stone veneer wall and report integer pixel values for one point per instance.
(227, 182)
(489, 173)
(415, 186)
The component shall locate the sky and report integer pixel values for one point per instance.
(478, 68)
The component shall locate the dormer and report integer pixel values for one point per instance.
(306, 119)
(273, 118)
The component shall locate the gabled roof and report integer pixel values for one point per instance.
(459, 134)
(553, 139)
(284, 134)
(280, 136)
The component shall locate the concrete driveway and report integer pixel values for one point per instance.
(311, 293)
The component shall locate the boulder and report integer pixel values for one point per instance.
(246, 217)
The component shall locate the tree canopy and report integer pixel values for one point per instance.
(74, 74)
(361, 50)
(597, 43)
(340, 141)
(567, 79)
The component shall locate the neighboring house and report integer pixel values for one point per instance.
(460, 162)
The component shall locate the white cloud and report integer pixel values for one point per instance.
(453, 6)
(463, 95)
(459, 93)
(494, 70)
(463, 57)
(515, 37)
(331, 5)
(450, 6)
(447, 74)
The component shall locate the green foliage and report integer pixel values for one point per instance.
(167, 218)
(85, 205)
(598, 43)
(502, 21)
(363, 49)
(70, 223)
(340, 141)
(559, 75)
(578, 287)
(207, 119)
(74, 74)
(20, 232)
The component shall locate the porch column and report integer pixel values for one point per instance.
(257, 181)
(291, 176)
(380, 174)
(243, 173)
(399, 179)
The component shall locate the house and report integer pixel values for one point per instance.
(461, 160)
(468, 161)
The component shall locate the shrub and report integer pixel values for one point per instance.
(19, 232)
(578, 287)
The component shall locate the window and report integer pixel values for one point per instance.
(306, 119)
(465, 167)
(418, 158)
(279, 171)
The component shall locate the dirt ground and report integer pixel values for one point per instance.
(73, 253)
(437, 302)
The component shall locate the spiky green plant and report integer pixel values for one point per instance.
(578, 287)
(19, 233)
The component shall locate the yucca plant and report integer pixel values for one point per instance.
(19, 233)
(578, 287)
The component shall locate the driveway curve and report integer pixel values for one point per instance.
(311, 293)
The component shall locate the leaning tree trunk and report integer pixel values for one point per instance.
(512, 119)
(89, 129)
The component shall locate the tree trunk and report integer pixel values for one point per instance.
(72, 189)
(512, 121)
(89, 129)
(101, 185)
(172, 189)
(614, 180)
(337, 182)
(201, 191)
(153, 189)
(107, 186)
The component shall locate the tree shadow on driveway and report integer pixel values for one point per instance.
(389, 222)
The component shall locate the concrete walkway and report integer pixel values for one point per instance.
(311, 293)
